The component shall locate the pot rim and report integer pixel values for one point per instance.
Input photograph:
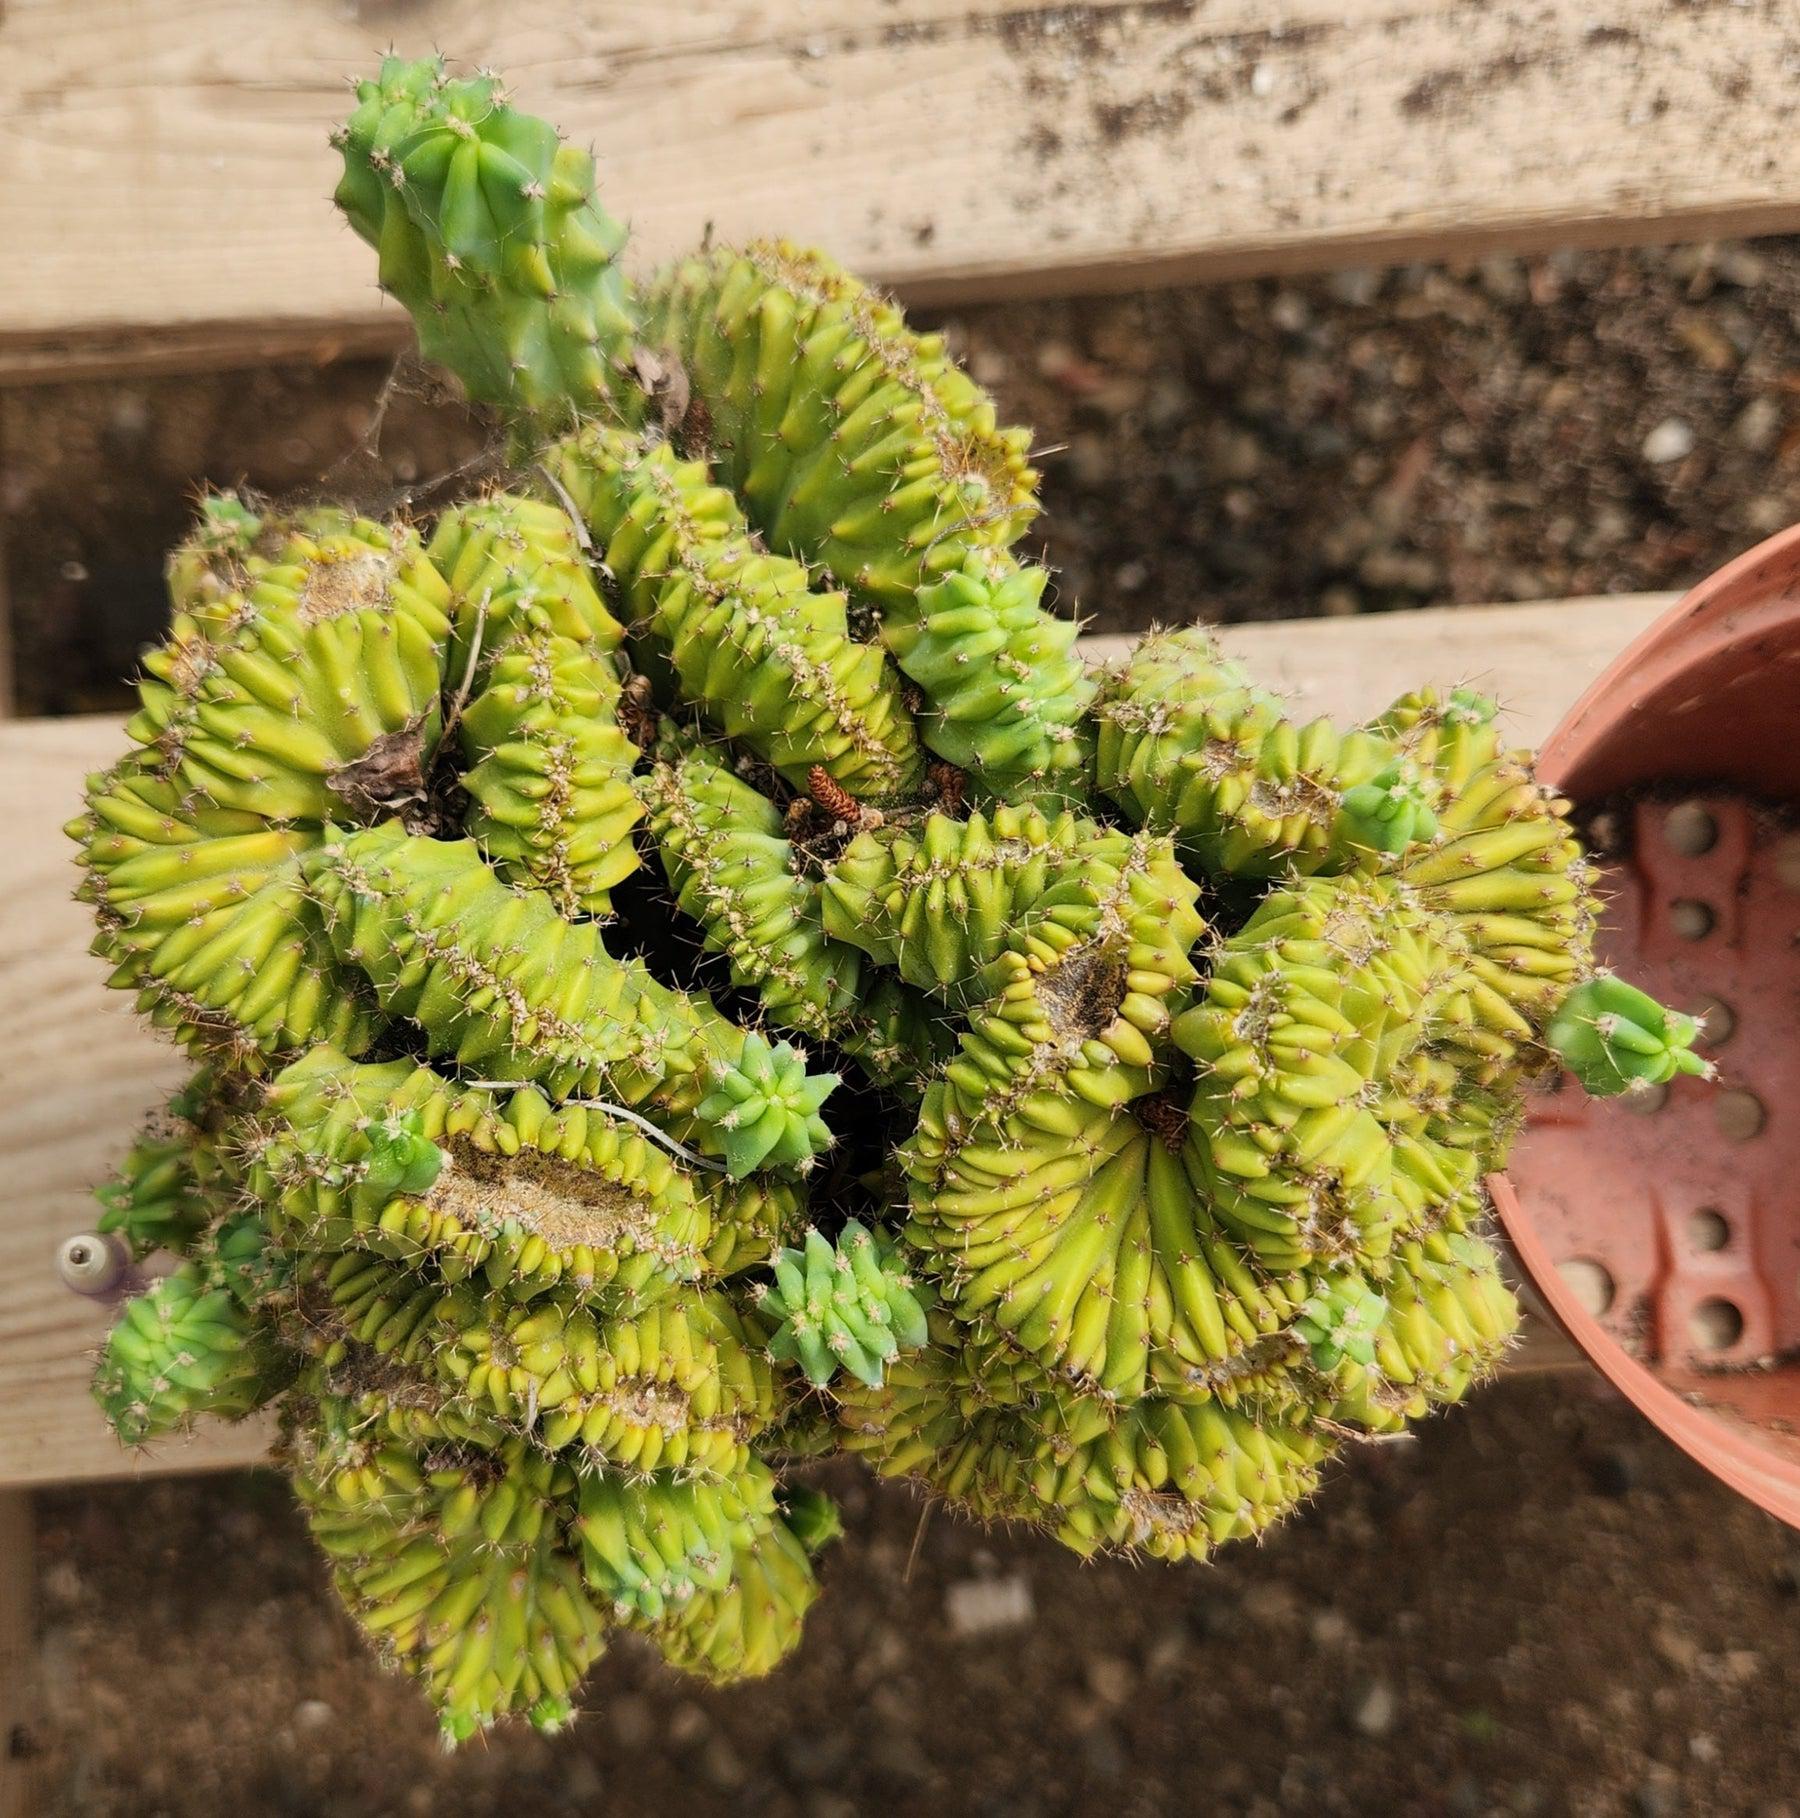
(1704, 619)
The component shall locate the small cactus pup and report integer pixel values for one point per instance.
(687, 969)
(849, 1307)
(1615, 1038)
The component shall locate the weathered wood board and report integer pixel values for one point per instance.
(79, 1072)
(167, 166)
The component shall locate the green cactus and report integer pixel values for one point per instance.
(1339, 1320)
(649, 1544)
(1389, 812)
(1188, 745)
(1304, 1131)
(848, 1306)
(1615, 1038)
(733, 869)
(459, 1561)
(490, 234)
(765, 1105)
(856, 444)
(740, 632)
(188, 1345)
(1005, 691)
(1155, 1045)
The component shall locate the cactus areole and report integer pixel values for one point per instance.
(687, 971)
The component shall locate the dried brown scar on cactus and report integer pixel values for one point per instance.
(1082, 993)
(565, 1205)
(390, 778)
(356, 583)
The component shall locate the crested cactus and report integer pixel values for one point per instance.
(688, 967)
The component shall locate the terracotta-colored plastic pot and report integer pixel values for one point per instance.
(1664, 1231)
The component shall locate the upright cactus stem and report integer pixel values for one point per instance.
(686, 968)
(489, 231)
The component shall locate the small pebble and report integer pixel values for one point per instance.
(1670, 440)
(1656, 1799)
(1331, 1629)
(1676, 1646)
(632, 1720)
(723, 1765)
(581, 1782)
(1359, 286)
(1758, 424)
(1372, 1707)
(1271, 1606)
(1289, 312)
(1109, 1679)
(687, 1723)
(987, 1606)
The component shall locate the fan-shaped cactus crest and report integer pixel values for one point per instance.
(686, 968)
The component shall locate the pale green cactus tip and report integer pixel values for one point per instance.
(850, 1307)
(1389, 812)
(1469, 707)
(402, 1159)
(548, 1716)
(765, 1108)
(226, 522)
(1615, 1038)
(814, 1518)
(1339, 1320)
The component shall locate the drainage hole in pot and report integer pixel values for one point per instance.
(1707, 1230)
(1690, 829)
(1645, 1101)
(1715, 1325)
(1718, 1021)
(1691, 919)
(1740, 1115)
(1590, 1282)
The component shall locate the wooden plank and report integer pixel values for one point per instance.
(80, 1071)
(18, 1657)
(1534, 659)
(166, 159)
(78, 1074)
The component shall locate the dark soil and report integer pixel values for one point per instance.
(1517, 429)
(1536, 1606)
